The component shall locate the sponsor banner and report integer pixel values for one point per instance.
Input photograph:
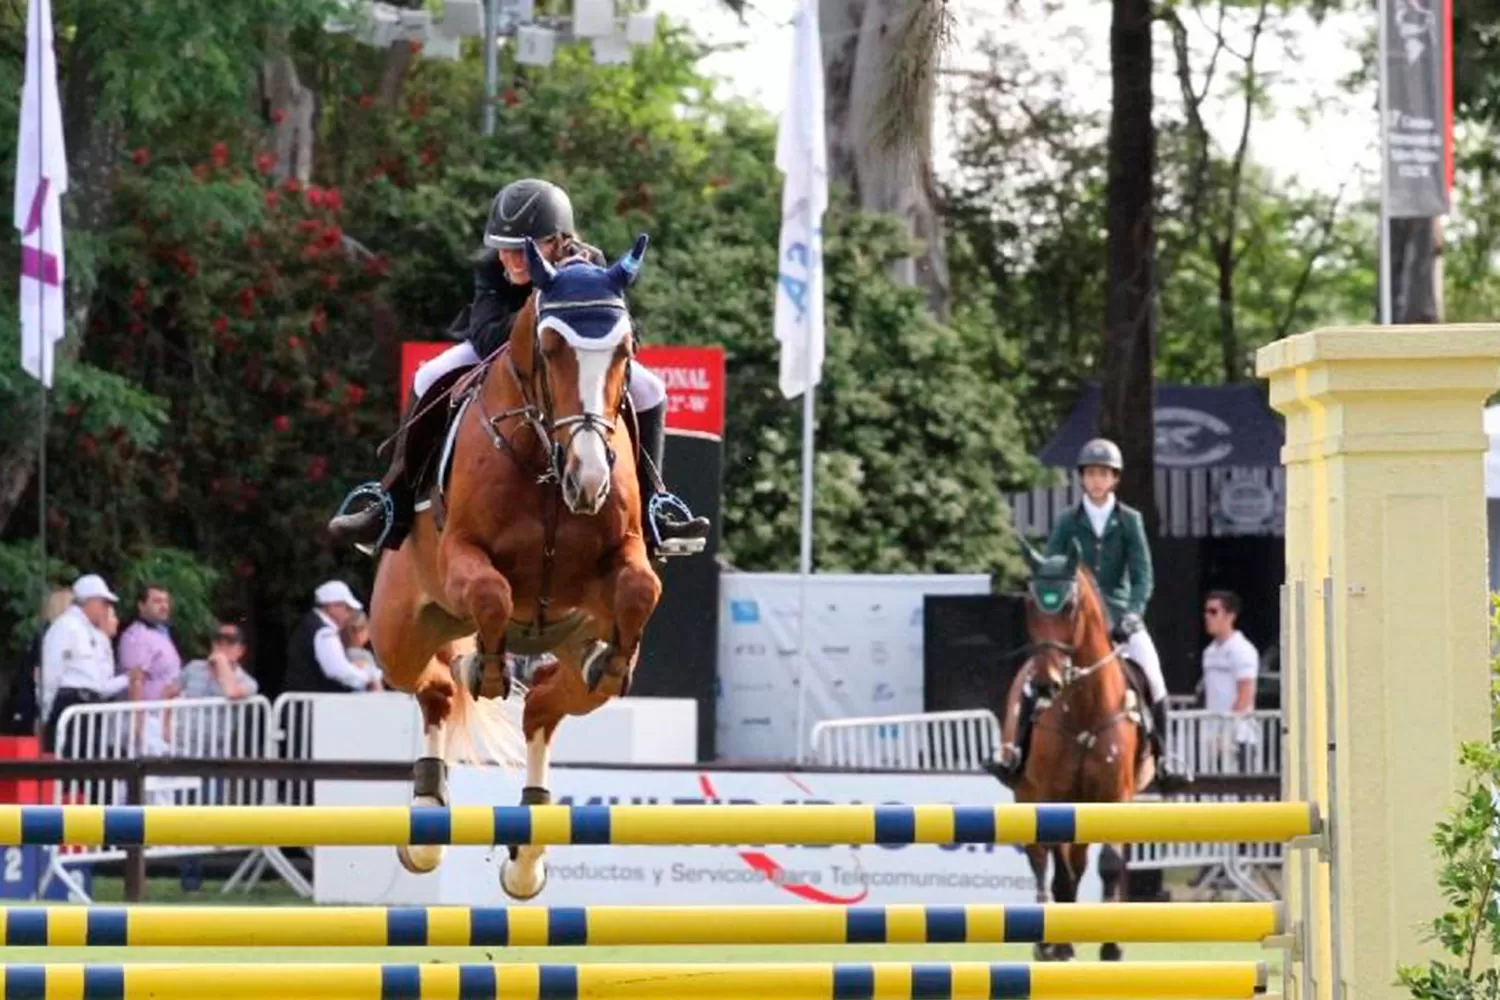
(413, 354)
(747, 875)
(864, 645)
(695, 386)
(694, 378)
(1418, 136)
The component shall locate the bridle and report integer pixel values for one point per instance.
(538, 410)
(1066, 605)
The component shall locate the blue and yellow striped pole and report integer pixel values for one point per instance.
(805, 981)
(682, 825)
(540, 926)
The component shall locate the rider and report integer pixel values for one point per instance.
(541, 211)
(1112, 538)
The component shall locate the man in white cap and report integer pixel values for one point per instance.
(315, 656)
(78, 663)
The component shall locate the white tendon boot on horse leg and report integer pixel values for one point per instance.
(524, 875)
(429, 788)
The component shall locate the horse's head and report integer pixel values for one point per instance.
(1063, 610)
(583, 345)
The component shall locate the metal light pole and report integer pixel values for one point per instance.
(491, 63)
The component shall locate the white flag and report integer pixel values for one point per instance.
(41, 179)
(801, 155)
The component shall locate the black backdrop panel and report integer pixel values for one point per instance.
(966, 640)
(680, 655)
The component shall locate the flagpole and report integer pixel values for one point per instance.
(804, 562)
(1385, 166)
(42, 366)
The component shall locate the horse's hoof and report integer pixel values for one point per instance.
(420, 859)
(596, 666)
(485, 677)
(1111, 952)
(522, 893)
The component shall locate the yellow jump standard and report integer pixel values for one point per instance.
(805, 981)
(681, 825)
(540, 926)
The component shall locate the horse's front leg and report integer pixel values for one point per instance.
(482, 594)
(629, 596)
(525, 874)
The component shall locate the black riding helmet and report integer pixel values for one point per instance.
(527, 208)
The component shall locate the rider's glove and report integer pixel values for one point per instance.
(1129, 624)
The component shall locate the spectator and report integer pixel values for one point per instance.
(316, 658)
(355, 635)
(148, 656)
(222, 673)
(21, 712)
(78, 663)
(149, 659)
(1230, 666)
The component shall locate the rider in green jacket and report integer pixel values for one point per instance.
(1112, 537)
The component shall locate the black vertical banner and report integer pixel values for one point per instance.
(1416, 122)
(680, 654)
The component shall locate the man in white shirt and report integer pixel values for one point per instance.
(78, 662)
(1230, 666)
(316, 658)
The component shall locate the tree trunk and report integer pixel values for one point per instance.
(1127, 408)
(1416, 271)
(1229, 337)
(292, 106)
(865, 44)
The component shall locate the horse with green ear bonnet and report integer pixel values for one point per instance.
(1085, 743)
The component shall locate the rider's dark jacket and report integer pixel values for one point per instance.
(485, 322)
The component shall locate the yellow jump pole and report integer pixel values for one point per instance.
(538, 926)
(310, 826)
(805, 981)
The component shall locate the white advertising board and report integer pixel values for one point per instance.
(864, 643)
(769, 874)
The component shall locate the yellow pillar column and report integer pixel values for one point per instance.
(1386, 513)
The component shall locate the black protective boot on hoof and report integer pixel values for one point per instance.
(671, 527)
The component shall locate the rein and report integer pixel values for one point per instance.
(537, 413)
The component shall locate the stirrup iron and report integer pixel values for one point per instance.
(375, 491)
(660, 503)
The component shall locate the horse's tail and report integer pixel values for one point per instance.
(485, 731)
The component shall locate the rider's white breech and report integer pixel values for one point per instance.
(457, 356)
(647, 390)
(1142, 650)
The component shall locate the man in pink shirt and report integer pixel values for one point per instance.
(147, 652)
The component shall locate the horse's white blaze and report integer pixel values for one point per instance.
(588, 454)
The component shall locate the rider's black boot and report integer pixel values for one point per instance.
(392, 497)
(1167, 777)
(673, 528)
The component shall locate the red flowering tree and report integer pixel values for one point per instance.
(242, 306)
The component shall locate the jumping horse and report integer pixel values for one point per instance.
(1086, 743)
(532, 544)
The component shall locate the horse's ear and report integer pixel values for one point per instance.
(623, 272)
(1075, 556)
(541, 272)
(1033, 558)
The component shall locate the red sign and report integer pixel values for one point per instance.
(413, 353)
(695, 387)
(694, 377)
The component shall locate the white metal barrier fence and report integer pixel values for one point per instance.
(214, 728)
(931, 741)
(1206, 744)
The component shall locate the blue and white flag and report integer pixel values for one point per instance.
(801, 155)
(41, 180)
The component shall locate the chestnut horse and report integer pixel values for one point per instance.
(539, 548)
(1086, 741)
